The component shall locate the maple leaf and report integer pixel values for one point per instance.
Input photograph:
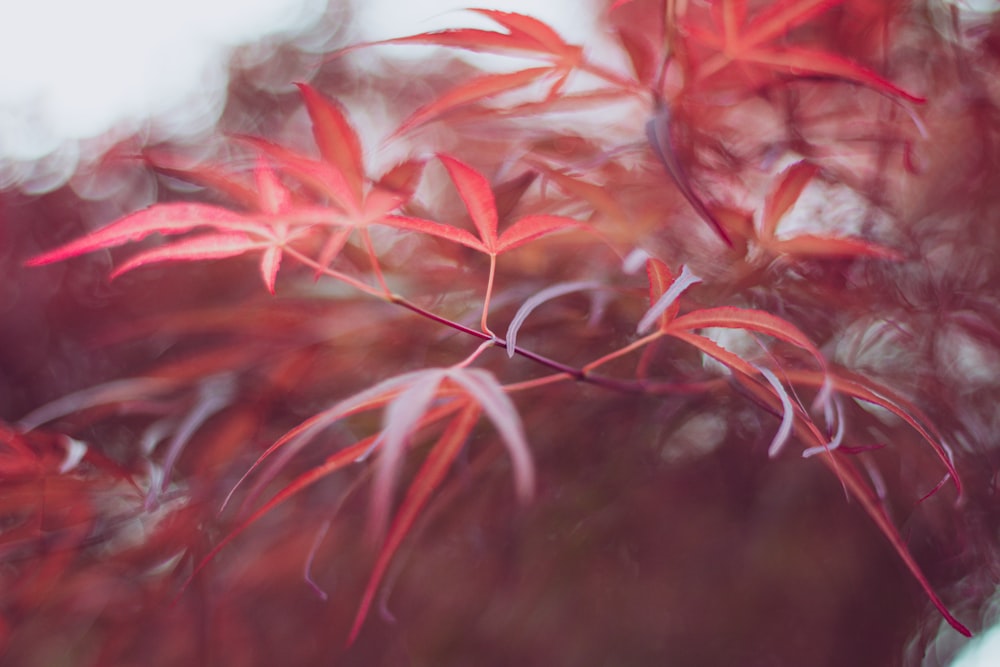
(525, 37)
(480, 202)
(277, 223)
(782, 197)
(739, 40)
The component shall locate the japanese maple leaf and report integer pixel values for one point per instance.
(786, 191)
(752, 41)
(356, 200)
(526, 37)
(269, 230)
(481, 204)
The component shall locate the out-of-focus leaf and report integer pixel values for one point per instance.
(477, 89)
(783, 196)
(664, 290)
(536, 300)
(428, 478)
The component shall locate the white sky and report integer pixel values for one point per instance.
(73, 70)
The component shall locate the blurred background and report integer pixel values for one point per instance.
(85, 87)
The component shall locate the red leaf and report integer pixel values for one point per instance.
(532, 227)
(658, 135)
(730, 15)
(337, 141)
(664, 292)
(403, 178)
(730, 317)
(732, 361)
(273, 196)
(270, 262)
(780, 17)
(323, 178)
(784, 195)
(206, 175)
(428, 478)
(161, 218)
(479, 88)
(478, 198)
(211, 246)
(527, 36)
(435, 229)
(528, 30)
(799, 60)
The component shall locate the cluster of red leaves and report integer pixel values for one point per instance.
(330, 216)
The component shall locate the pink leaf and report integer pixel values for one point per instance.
(532, 227)
(787, 413)
(273, 196)
(479, 88)
(529, 30)
(337, 141)
(428, 478)
(482, 386)
(399, 422)
(435, 229)
(322, 178)
(211, 246)
(162, 218)
(536, 300)
(270, 262)
(478, 198)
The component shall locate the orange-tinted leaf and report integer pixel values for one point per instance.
(478, 198)
(428, 478)
(783, 196)
(161, 218)
(479, 88)
(809, 245)
(446, 232)
(210, 246)
(532, 227)
(337, 141)
(800, 60)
